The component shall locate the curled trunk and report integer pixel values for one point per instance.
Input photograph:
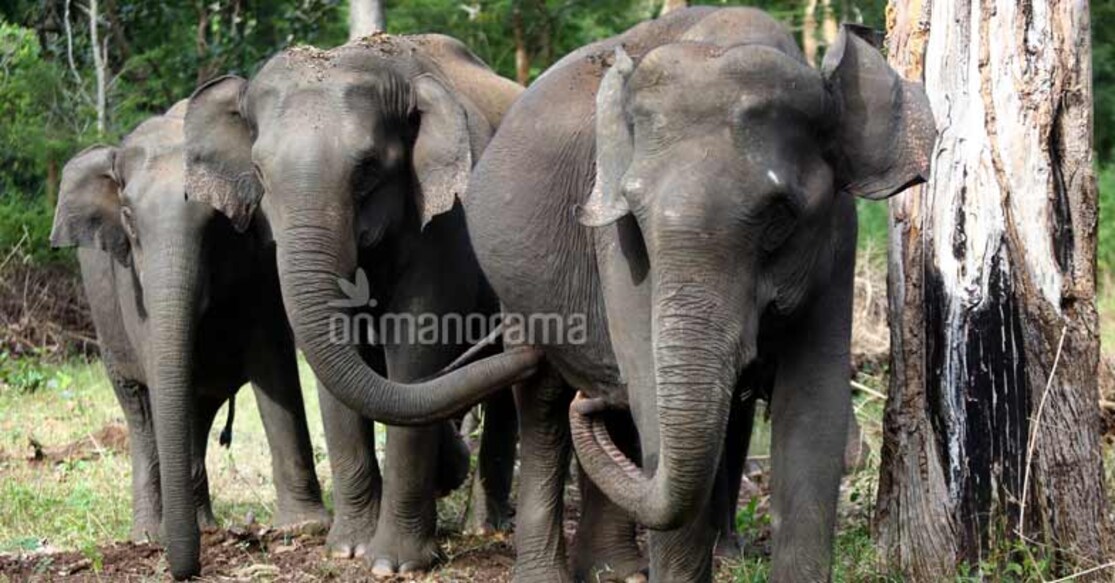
(312, 255)
(697, 356)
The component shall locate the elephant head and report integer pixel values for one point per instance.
(129, 201)
(344, 149)
(730, 160)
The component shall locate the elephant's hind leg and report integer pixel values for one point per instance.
(543, 403)
(274, 374)
(207, 408)
(490, 510)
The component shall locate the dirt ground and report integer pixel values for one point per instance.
(253, 555)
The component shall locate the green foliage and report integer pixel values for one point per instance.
(1105, 255)
(1103, 75)
(28, 374)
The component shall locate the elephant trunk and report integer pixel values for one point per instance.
(172, 296)
(701, 342)
(313, 252)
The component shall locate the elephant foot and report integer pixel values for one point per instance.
(205, 519)
(145, 530)
(728, 546)
(454, 458)
(310, 519)
(619, 565)
(488, 515)
(526, 571)
(350, 535)
(394, 554)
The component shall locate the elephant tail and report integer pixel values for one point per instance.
(226, 434)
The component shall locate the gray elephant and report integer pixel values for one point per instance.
(358, 155)
(186, 312)
(695, 204)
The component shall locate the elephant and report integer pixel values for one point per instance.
(358, 155)
(688, 189)
(186, 311)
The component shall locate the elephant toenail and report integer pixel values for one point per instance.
(341, 552)
(410, 567)
(636, 578)
(383, 568)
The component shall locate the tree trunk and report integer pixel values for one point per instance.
(522, 56)
(814, 37)
(670, 5)
(992, 420)
(365, 17)
(99, 67)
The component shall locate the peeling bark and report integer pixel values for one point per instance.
(991, 262)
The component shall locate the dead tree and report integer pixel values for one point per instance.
(365, 17)
(991, 431)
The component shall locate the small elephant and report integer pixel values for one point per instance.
(186, 311)
(690, 195)
(358, 155)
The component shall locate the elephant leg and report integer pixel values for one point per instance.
(350, 440)
(146, 495)
(207, 408)
(419, 462)
(404, 539)
(543, 403)
(726, 492)
(491, 505)
(604, 548)
(809, 433)
(274, 374)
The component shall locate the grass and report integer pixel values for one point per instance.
(77, 504)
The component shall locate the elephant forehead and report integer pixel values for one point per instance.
(705, 79)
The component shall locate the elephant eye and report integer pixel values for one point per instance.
(366, 178)
(782, 219)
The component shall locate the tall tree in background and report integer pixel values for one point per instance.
(991, 432)
(365, 17)
(671, 5)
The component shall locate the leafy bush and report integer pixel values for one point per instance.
(1105, 255)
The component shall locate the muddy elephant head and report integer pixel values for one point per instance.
(731, 162)
(129, 201)
(344, 148)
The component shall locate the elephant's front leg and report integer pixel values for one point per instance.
(604, 548)
(147, 505)
(810, 408)
(420, 463)
(543, 403)
(350, 440)
(274, 373)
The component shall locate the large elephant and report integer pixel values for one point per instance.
(186, 312)
(358, 155)
(694, 203)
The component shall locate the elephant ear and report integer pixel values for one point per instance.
(442, 154)
(606, 204)
(886, 130)
(89, 209)
(219, 168)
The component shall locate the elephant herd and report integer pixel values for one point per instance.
(685, 190)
